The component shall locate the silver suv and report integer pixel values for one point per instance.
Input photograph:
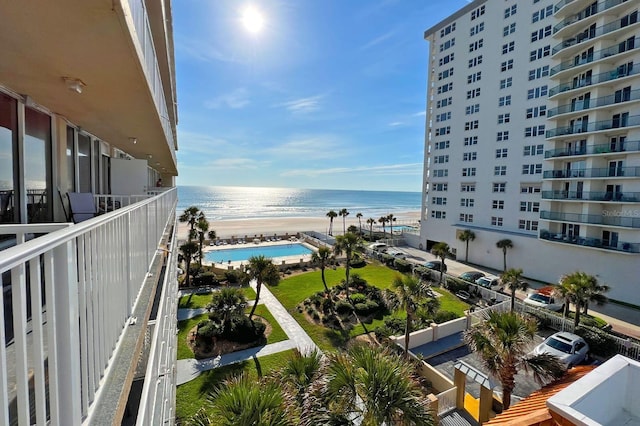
(570, 348)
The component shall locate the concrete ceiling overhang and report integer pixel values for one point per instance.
(44, 41)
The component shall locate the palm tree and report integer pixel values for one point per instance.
(344, 213)
(565, 290)
(504, 245)
(242, 400)
(202, 226)
(226, 304)
(300, 372)
(406, 295)
(372, 385)
(262, 270)
(383, 220)
(347, 244)
(581, 288)
(191, 215)
(331, 215)
(359, 216)
(442, 251)
(322, 257)
(212, 235)
(371, 221)
(391, 219)
(188, 250)
(502, 342)
(512, 279)
(466, 236)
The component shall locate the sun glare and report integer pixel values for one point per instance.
(252, 19)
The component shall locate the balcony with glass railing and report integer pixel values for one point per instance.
(615, 74)
(605, 148)
(594, 126)
(598, 172)
(71, 340)
(607, 218)
(620, 246)
(591, 10)
(591, 103)
(595, 33)
(598, 196)
(623, 47)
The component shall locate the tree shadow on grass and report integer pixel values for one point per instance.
(213, 378)
(338, 338)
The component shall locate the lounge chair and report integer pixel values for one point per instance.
(82, 206)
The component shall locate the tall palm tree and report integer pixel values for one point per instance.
(512, 280)
(344, 213)
(202, 226)
(442, 251)
(322, 257)
(407, 294)
(242, 400)
(581, 288)
(226, 304)
(466, 236)
(212, 235)
(504, 245)
(359, 216)
(372, 385)
(188, 250)
(191, 215)
(383, 220)
(347, 244)
(502, 342)
(300, 372)
(331, 215)
(371, 221)
(262, 270)
(391, 219)
(565, 289)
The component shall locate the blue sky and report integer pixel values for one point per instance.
(329, 94)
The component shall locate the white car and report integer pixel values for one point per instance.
(544, 298)
(378, 246)
(491, 282)
(397, 254)
(570, 348)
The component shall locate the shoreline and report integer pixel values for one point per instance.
(268, 226)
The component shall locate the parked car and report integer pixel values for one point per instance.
(491, 282)
(436, 265)
(544, 298)
(378, 247)
(397, 254)
(471, 276)
(463, 295)
(570, 348)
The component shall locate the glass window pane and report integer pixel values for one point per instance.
(84, 163)
(37, 161)
(8, 134)
(71, 165)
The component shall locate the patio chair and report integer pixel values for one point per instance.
(82, 206)
(5, 204)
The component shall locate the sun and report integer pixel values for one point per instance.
(252, 19)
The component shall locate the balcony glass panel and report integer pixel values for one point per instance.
(622, 197)
(592, 173)
(590, 242)
(586, 104)
(619, 72)
(595, 126)
(609, 218)
(585, 13)
(626, 146)
(626, 46)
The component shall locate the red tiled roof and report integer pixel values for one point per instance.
(532, 410)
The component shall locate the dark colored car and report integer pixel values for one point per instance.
(471, 276)
(436, 265)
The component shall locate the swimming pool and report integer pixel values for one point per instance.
(244, 253)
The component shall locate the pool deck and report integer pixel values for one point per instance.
(280, 260)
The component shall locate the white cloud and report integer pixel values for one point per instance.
(302, 105)
(203, 51)
(234, 163)
(413, 169)
(396, 123)
(306, 147)
(237, 99)
(199, 143)
(420, 114)
(378, 40)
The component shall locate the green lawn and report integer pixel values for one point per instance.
(277, 333)
(450, 302)
(191, 396)
(195, 301)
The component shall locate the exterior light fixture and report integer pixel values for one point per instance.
(74, 84)
(133, 140)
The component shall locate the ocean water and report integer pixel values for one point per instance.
(221, 203)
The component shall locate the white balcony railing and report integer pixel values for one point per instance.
(67, 299)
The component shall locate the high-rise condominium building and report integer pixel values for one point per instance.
(533, 135)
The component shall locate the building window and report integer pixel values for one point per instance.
(471, 140)
(477, 13)
(446, 59)
(471, 125)
(447, 44)
(509, 29)
(504, 118)
(469, 171)
(539, 53)
(539, 111)
(472, 109)
(504, 100)
(469, 156)
(8, 160)
(501, 153)
(500, 171)
(440, 159)
(508, 47)
(473, 93)
(437, 214)
(475, 61)
(476, 45)
(542, 13)
(497, 204)
(445, 74)
(506, 82)
(499, 187)
(439, 201)
(440, 187)
(443, 116)
(467, 202)
(531, 169)
(510, 11)
(506, 65)
(443, 131)
(539, 72)
(528, 225)
(467, 187)
(496, 221)
(466, 217)
(541, 33)
(534, 131)
(502, 136)
(476, 76)
(441, 173)
(448, 29)
(441, 145)
(533, 150)
(529, 206)
(443, 102)
(529, 189)
(38, 175)
(476, 29)
(537, 92)
(445, 88)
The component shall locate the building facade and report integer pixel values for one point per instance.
(87, 105)
(532, 135)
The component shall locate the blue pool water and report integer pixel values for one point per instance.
(244, 253)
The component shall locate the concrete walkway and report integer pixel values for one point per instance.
(189, 369)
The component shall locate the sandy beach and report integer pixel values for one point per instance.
(238, 228)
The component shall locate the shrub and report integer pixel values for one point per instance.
(424, 273)
(210, 330)
(315, 315)
(205, 279)
(444, 316)
(454, 284)
(600, 342)
(402, 266)
(372, 305)
(358, 281)
(358, 298)
(358, 262)
(326, 305)
(361, 308)
(391, 327)
(232, 276)
(343, 307)
(243, 330)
